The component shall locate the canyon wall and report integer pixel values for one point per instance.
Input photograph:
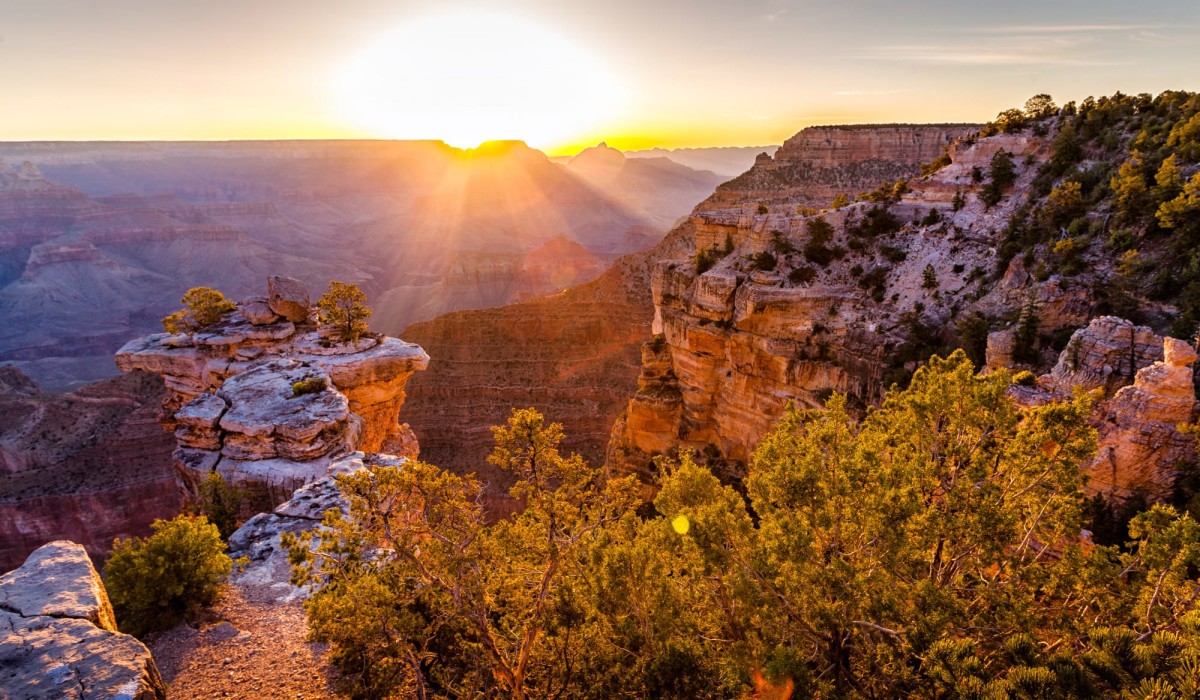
(89, 466)
(575, 355)
(735, 343)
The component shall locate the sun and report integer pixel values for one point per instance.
(470, 77)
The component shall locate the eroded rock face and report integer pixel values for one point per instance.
(1141, 447)
(1144, 392)
(58, 637)
(268, 570)
(575, 356)
(273, 405)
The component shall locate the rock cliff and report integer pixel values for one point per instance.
(58, 636)
(799, 309)
(1145, 392)
(234, 405)
(575, 355)
(89, 465)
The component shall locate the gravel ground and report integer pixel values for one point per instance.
(247, 646)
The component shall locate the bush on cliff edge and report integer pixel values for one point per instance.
(156, 581)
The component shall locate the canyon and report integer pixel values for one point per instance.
(99, 240)
(576, 355)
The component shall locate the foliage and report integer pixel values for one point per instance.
(1025, 338)
(930, 548)
(929, 278)
(764, 260)
(344, 307)
(972, 333)
(1002, 174)
(802, 274)
(203, 307)
(221, 502)
(156, 581)
(311, 385)
(707, 257)
(414, 587)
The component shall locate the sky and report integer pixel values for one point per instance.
(562, 74)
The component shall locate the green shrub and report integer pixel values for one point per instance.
(312, 385)
(1024, 378)
(765, 261)
(221, 502)
(156, 581)
(202, 308)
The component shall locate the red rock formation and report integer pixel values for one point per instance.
(235, 400)
(486, 362)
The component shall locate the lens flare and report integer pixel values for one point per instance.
(681, 524)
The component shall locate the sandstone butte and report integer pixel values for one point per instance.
(233, 408)
(58, 637)
(730, 347)
(576, 355)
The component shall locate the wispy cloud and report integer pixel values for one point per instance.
(1031, 49)
(1063, 28)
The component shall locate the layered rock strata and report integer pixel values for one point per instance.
(575, 355)
(89, 466)
(59, 638)
(272, 403)
(1145, 393)
(790, 315)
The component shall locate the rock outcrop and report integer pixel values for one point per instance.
(575, 355)
(1141, 448)
(58, 636)
(267, 570)
(273, 405)
(1145, 389)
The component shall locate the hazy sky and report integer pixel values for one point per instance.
(635, 72)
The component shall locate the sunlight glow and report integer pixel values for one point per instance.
(465, 78)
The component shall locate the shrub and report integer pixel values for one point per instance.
(1024, 378)
(311, 385)
(802, 275)
(344, 308)
(202, 308)
(892, 253)
(762, 208)
(929, 278)
(221, 502)
(155, 582)
(764, 261)
(780, 244)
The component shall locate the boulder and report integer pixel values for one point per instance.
(257, 311)
(58, 637)
(288, 297)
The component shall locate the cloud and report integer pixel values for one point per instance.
(1064, 28)
(1032, 49)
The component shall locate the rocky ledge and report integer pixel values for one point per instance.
(1140, 446)
(233, 404)
(58, 637)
